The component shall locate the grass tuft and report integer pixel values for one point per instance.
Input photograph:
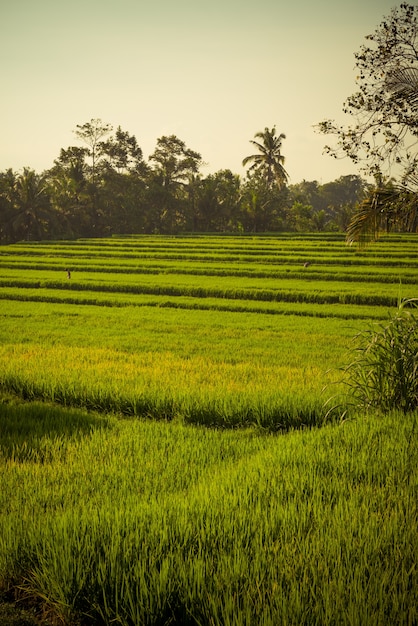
(384, 375)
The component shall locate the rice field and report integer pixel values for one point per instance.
(159, 442)
(213, 330)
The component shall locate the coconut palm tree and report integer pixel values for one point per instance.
(29, 213)
(268, 162)
(386, 207)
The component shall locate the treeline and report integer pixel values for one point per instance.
(105, 186)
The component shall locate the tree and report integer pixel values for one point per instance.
(27, 212)
(269, 161)
(73, 162)
(301, 217)
(263, 205)
(174, 162)
(386, 105)
(385, 110)
(122, 153)
(91, 134)
(70, 190)
(308, 192)
(218, 202)
(385, 207)
(345, 190)
(68, 177)
(332, 203)
(342, 197)
(122, 183)
(174, 176)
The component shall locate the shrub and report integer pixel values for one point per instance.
(385, 373)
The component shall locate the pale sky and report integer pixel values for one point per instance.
(212, 72)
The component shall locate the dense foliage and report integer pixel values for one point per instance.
(384, 133)
(106, 186)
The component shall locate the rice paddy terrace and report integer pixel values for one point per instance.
(160, 452)
(221, 330)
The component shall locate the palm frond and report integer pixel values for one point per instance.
(384, 209)
(372, 216)
(403, 82)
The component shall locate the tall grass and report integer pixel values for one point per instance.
(385, 373)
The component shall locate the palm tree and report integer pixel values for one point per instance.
(29, 212)
(386, 207)
(269, 161)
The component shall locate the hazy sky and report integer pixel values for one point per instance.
(212, 72)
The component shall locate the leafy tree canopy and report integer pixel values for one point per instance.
(105, 186)
(384, 135)
(385, 107)
(175, 163)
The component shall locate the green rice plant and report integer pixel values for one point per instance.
(223, 287)
(150, 523)
(117, 299)
(192, 303)
(27, 429)
(385, 373)
(251, 338)
(203, 390)
(326, 267)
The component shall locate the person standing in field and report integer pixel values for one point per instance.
(68, 273)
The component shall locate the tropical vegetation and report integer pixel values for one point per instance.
(268, 163)
(107, 187)
(214, 429)
(384, 135)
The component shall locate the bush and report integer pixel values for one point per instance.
(385, 373)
